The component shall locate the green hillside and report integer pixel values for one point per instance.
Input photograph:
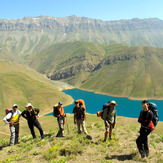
(133, 72)
(19, 84)
(114, 69)
(68, 61)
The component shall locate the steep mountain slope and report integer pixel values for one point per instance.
(29, 35)
(114, 69)
(68, 61)
(20, 85)
(136, 72)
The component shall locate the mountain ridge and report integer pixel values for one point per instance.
(29, 35)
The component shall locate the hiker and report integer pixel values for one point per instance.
(12, 118)
(61, 120)
(145, 119)
(79, 117)
(31, 115)
(109, 117)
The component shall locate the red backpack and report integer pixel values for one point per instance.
(9, 110)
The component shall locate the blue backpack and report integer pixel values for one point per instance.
(153, 107)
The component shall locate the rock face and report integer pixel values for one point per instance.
(29, 35)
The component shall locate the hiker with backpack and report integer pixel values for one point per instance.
(59, 113)
(12, 118)
(31, 115)
(146, 119)
(109, 117)
(79, 116)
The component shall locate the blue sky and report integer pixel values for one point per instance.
(96, 9)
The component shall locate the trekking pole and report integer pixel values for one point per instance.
(67, 124)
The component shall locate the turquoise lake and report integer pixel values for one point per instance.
(94, 103)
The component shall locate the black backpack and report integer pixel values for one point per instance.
(55, 111)
(153, 107)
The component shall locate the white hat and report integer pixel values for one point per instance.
(15, 105)
(29, 104)
(113, 102)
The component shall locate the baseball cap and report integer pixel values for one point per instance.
(60, 103)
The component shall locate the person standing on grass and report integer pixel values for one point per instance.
(31, 115)
(79, 117)
(145, 119)
(109, 117)
(12, 118)
(61, 120)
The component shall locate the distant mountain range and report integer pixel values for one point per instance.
(31, 34)
(114, 57)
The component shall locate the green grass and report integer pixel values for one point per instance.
(21, 85)
(77, 147)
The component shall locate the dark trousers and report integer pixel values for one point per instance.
(14, 129)
(142, 141)
(36, 123)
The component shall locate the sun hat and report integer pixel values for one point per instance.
(28, 105)
(113, 102)
(15, 106)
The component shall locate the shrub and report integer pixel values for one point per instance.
(98, 125)
(158, 140)
(153, 144)
(14, 158)
(4, 143)
(51, 153)
(37, 152)
(72, 148)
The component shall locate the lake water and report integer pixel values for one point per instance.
(94, 103)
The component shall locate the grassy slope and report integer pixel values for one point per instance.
(72, 59)
(21, 85)
(138, 76)
(77, 148)
(58, 54)
(113, 69)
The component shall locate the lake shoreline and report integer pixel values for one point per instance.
(65, 86)
(112, 95)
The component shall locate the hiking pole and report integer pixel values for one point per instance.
(67, 124)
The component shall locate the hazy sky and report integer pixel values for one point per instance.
(96, 9)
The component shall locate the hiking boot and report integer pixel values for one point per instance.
(143, 155)
(147, 153)
(104, 141)
(89, 137)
